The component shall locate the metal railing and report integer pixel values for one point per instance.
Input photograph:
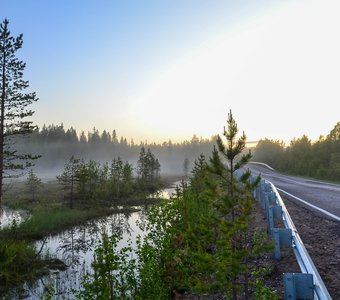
(308, 284)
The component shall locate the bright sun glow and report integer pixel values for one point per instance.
(279, 73)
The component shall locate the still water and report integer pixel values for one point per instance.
(75, 247)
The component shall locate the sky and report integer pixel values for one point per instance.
(160, 70)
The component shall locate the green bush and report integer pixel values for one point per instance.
(18, 263)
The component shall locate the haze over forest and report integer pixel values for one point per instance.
(57, 144)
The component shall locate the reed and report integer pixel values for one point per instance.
(45, 223)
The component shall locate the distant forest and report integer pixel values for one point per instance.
(56, 145)
(319, 159)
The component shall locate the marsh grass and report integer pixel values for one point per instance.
(49, 215)
(45, 223)
(48, 196)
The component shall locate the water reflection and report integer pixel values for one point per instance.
(9, 216)
(167, 192)
(76, 247)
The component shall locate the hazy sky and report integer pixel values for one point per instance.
(159, 70)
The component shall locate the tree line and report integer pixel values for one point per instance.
(58, 133)
(319, 159)
(94, 183)
(56, 144)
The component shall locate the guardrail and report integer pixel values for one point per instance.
(307, 284)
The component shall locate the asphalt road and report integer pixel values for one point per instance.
(321, 194)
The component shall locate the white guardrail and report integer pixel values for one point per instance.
(307, 284)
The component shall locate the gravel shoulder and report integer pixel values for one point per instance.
(321, 238)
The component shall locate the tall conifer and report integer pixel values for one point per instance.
(13, 105)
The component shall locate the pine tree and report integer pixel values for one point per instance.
(69, 179)
(127, 187)
(82, 178)
(148, 169)
(116, 174)
(197, 181)
(83, 138)
(33, 184)
(234, 203)
(13, 103)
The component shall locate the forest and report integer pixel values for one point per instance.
(56, 145)
(319, 159)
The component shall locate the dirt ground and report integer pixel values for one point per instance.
(321, 238)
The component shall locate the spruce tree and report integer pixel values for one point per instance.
(13, 106)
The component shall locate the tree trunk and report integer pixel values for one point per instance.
(2, 123)
(233, 242)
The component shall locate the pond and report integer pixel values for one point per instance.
(75, 247)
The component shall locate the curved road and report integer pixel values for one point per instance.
(323, 195)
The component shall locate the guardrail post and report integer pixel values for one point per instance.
(269, 202)
(266, 203)
(252, 179)
(282, 237)
(270, 220)
(268, 187)
(272, 198)
(277, 211)
(262, 194)
(266, 200)
(274, 213)
(298, 286)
